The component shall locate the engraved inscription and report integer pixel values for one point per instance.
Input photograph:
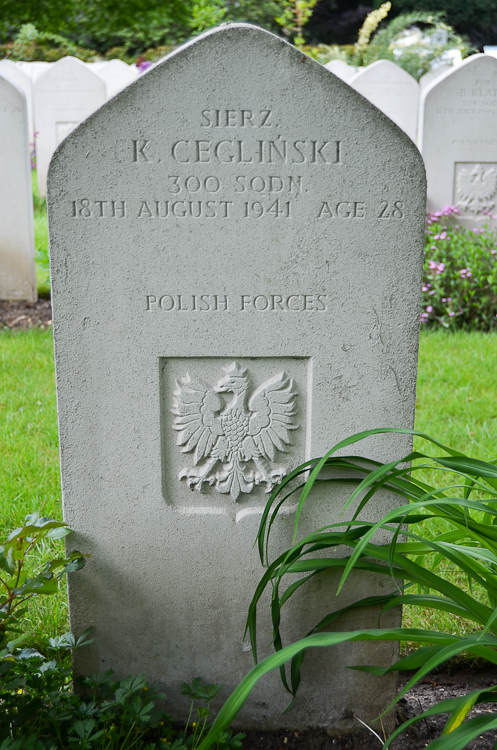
(393, 210)
(191, 190)
(277, 151)
(233, 118)
(475, 188)
(341, 210)
(243, 303)
(84, 208)
(234, 437)
(480, 98)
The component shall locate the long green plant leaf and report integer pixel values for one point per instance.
(238, 697)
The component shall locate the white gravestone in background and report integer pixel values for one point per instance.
(64, 95)
(458, 140)
(116, 75)
(433, 74)
(22, 81)
(236, 252)
(341, 69)
(17, 245)
(34, 69)
(392, 90)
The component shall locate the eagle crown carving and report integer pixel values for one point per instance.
(476, 189)
(234, 438)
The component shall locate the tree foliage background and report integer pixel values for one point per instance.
(136, 25)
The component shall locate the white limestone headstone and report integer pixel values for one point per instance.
(63, 96)
(341, 69)
(17, 245)
(391, 89)
(241, 227)
(458, 140)
(116, 75)
(34, 69)
(433, 74)
(23, 81)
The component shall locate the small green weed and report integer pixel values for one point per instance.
(40, 709)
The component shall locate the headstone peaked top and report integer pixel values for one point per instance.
(433, 74)
(236, 250)
(458, 140)
(23, 81)
(390, 88)
(116, 74)
(341, 69)
(64, 95)
(17, 246)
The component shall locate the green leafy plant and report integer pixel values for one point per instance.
(295, 14)
(18, 585)
(464, 509)
(32, 45)
(206, 14)
(40, 710)
(203, 693)
(38, 701)
(460, 274)
(371, 23)
(407, 40)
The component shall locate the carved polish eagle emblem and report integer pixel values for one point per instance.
(476, 188)
(233, 431)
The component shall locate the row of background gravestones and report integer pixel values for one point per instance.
(457, 135)
(61, 95)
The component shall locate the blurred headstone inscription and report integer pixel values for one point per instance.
(236, 255)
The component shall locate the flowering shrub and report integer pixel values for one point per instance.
(460, 274)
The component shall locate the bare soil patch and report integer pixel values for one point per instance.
(22, 315)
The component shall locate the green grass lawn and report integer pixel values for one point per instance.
(41, 239)
(456, 403)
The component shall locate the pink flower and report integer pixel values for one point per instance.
(143, 64)
(429, 309)
(451, 314)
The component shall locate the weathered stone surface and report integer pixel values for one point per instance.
(234, 219)
(392, 90)
(341, 69)
(22, 81)
(458, 139)
(64, 95)
(17, 247)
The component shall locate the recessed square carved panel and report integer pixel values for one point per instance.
(475, 187)
(232, 428)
